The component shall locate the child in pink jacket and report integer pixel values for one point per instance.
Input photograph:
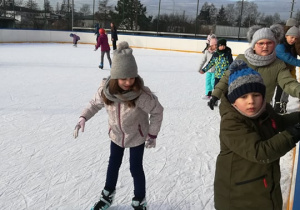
(105, 49)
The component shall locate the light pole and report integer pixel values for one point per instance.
(72, 14)
(158, 15)
(196, 18)
(291, 15)
(240, 23)
(93, 12)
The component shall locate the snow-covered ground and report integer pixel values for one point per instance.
(44, 88)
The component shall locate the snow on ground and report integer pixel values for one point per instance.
(44, 88)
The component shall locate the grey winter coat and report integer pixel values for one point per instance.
(129, 126)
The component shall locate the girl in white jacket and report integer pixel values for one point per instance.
(210, 74)
(135, 117)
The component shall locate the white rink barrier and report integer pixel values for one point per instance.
(142, 41)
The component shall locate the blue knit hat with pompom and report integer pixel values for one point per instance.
(243, 80)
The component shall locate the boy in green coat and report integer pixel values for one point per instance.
(253, 137)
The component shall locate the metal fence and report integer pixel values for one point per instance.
(191, 17)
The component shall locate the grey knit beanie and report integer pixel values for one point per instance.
(123, 63)
(291, 22)
(293, 31)
(256, 33)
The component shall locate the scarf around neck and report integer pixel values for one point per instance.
(262, 109)
(122, 97)
(258, 60)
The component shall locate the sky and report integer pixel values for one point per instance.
(269, 7)
(43, 93)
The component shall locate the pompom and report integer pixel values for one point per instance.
(237, 65)
(251, 32)
(278, 31)
(123, 45)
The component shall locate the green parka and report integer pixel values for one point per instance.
(272, 74)
(247, 168)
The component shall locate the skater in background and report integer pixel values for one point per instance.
(253, 137)
(97, 27)
(210, 74)
(280, 96)
(221, 59)
(261, 56)
(286, 51)
(75, 39)
(114, 35)
(209, 37)
(135, 117)
(105, 49)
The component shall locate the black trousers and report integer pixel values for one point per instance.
(114, 45)
(136, 168)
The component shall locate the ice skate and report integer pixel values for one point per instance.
(101, 66)
(105, 201)
(139, 205)
(283, 108)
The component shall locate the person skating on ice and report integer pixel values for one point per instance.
(135, 117)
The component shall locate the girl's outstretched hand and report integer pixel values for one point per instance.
(80, 124)
(150, 142)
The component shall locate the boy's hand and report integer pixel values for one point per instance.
(295, 132)
(201, 71)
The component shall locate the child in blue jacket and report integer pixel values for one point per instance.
(221, 59)
(286, 51)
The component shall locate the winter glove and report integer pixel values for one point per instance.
(295, 132)
(80, 124)
(212, 102)
(150, 142)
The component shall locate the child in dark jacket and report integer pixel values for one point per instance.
(114, 35)
(253, 137)
(221, 59)
(75, 39)
(105, 49)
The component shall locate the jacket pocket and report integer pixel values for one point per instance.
(253, 180)
(140, 130)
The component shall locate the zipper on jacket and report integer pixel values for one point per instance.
(119, 119)
(253, 180)
(140, 130)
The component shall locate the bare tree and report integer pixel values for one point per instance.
(85, 9)
(31, 4)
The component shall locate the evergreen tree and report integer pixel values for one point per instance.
(131, 15)
(221, 17)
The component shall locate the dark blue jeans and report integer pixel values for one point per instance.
(136, 168)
